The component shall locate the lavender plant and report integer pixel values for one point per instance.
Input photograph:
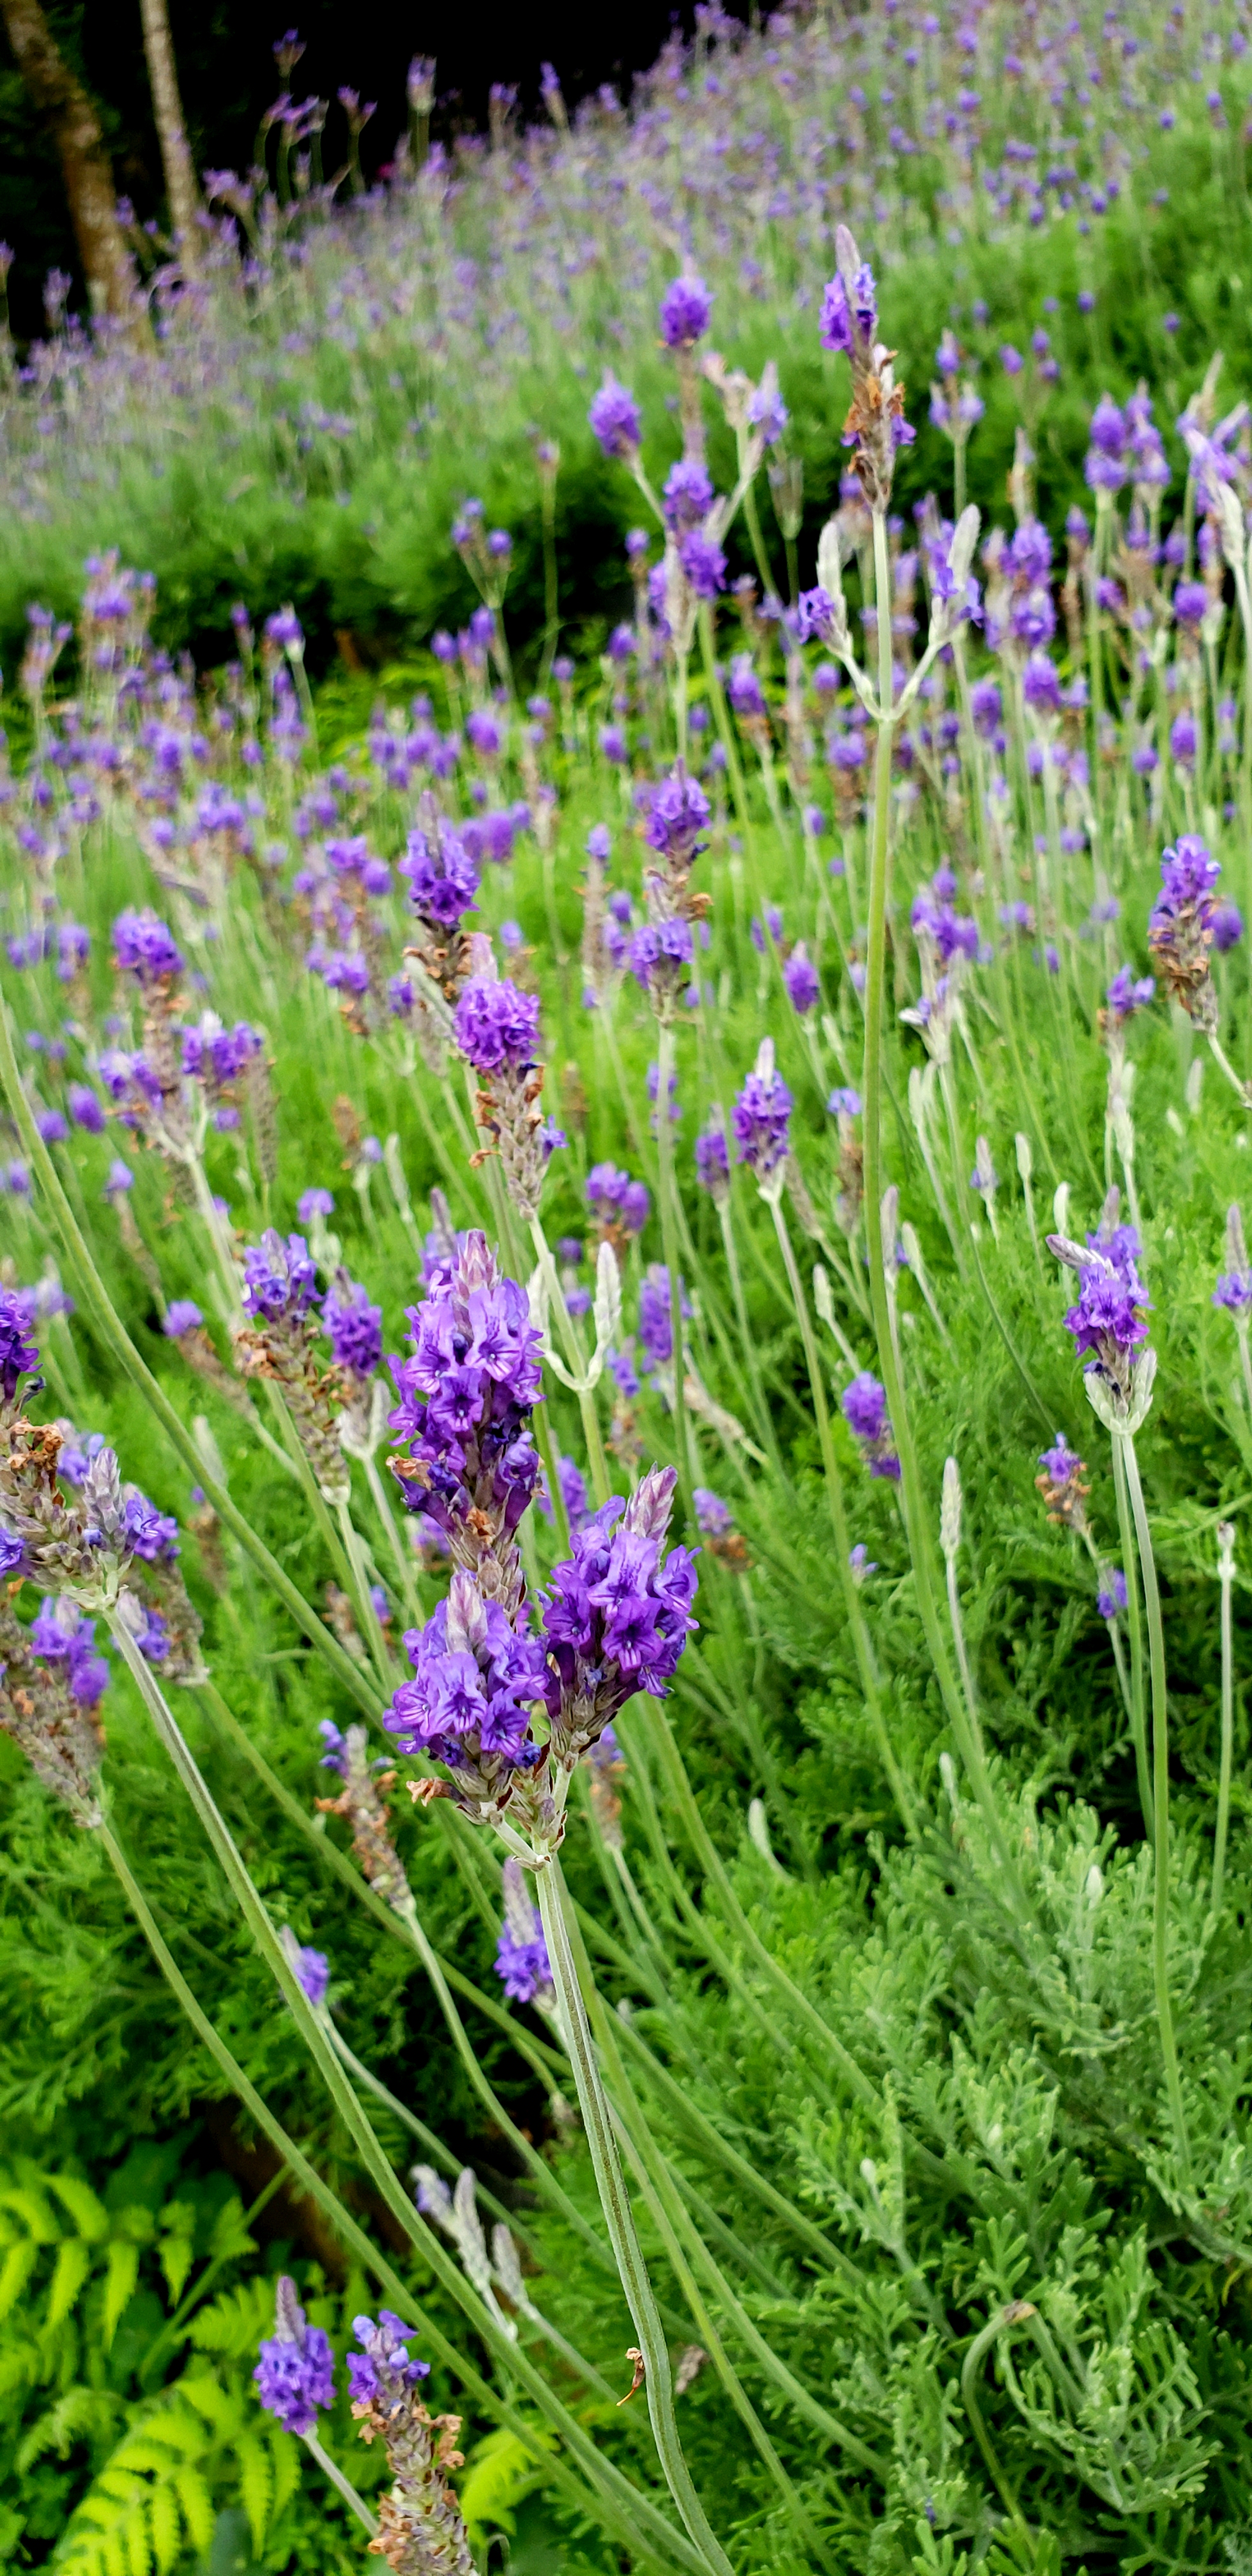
(866, 2015)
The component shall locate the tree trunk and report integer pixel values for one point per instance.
(180, 176)
(67, 111)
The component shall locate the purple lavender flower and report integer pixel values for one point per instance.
(355, 1327)
(703, 562)
(522, 1963)
(85, 1109)
(761, 1116)
(443, 878)
(314, 1203)
(614, 417)
(182, 1315)
(465, 1399)
(685, 309)
(844, 1103)
(476, 1676)
(496, 1025)
(1180, 930)
(62, 1635)
(143, 947)
(802, 980)
(1111, 1597)
(713, 1161)
(864, 1407)
(713, 1517)
(686, 495)
(1226, 924)
(1129, 993)
(616, 1200)
(849, 322)
(1106, 1322)
(618, 1614)
(295, 2376)
(382, 2370)
(149, 1534)
(655, 1319)
(679, 813)
(311, 1970)
(280, 1279)
(19, 1352)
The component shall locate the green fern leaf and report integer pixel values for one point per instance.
(285, 2457)
(255, 2486)
(15, 2272)
(193, 2496)
(90, 2216)
(165, 2524)
(120, 2279)
(73, 2264)
(501, 2472)
(138, 2544)
(235, 2321)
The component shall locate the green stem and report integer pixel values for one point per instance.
(631, 2515)
(912, 1496)
(331, 2470)
(1226, 1576)
(669, 1240)
(1160, 1785)
(1138, 1704)
(838, 1521)
(619, 2220)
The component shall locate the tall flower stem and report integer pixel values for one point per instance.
(631, 2515)
(912, 1496)
(330, 2469)
(379, 1654)
(838, 1520)
(1160, 1784)
(1138, 1703)
(1226, 1577)
(619, 2218)
(668, 1195)
(577, 1358)
(98, 1304)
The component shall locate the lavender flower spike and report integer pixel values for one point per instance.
(419, 2521)
(295, 2375)
(522, 1963)
(761, 1118)
(1108, 1326)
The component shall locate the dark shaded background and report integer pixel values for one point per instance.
(226, 69)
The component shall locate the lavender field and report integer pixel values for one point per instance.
(625, 841)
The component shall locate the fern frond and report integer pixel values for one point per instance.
(256, 2485)
(234, 2322)
(73, 2264)
(119, 2284)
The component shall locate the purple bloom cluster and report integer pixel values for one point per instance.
(618, 1614)
(295, 2376)
(679, 813)
(614, 417)
(442, 875)
(280, 1279)
(685, 309)
(864, 1407)
(19, 1352)
(61, 1634)
(655, 1320)
(355, 1327)
(849, 323)
(1112, 1595)
(149, 1534)
(1106, 1319)
(144, 947)
(497, 1025)
(1127, 994)
(382, 2371)
(216, 1056)
(713, 1161)
(475, 1678)
(465, 1397)
(761, 1117)
(522, 1962)
(620, 1204)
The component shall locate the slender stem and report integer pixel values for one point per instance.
(330, 2469)
(838, 1521)
(669, 1239)
(576, 1358)
(619, 2219)
(366, 1612)
(1226, 1576)
(1160, 1784)
(632, 2515)
(402, 1560)
(1138, 1704)
(1018, 2313)
(912, 1496)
